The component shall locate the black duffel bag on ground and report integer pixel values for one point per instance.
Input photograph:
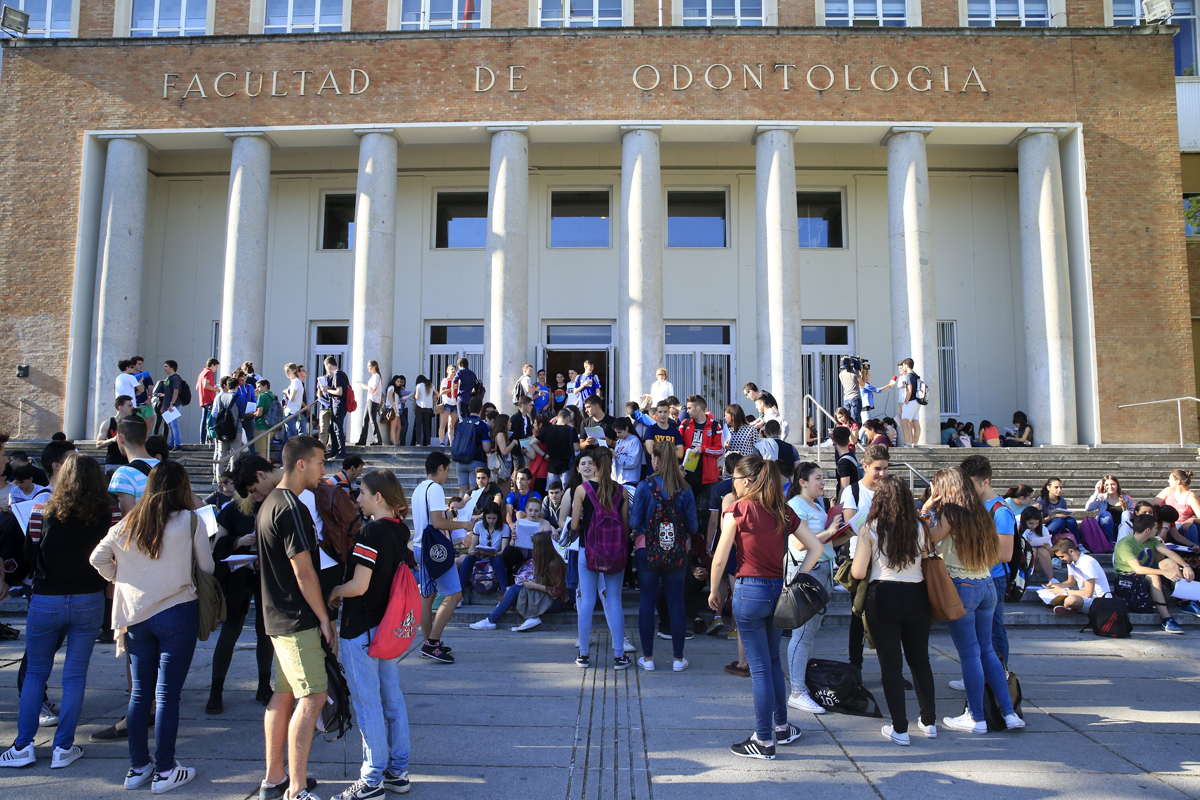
(838, 686)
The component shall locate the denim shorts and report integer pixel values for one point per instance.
(449, 583)
(466, 472)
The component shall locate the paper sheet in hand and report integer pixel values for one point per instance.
(526, 528)
(235, 562)
(1186, 590)
(22, 512)
(170, 415)
(1178, 548)
(1047, 595)
(597, 433)
(527, 443)
(468, 508)
(208, 515)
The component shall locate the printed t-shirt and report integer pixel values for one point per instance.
(380, 547)
(1130, 548)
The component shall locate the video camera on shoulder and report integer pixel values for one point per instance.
(854, 364)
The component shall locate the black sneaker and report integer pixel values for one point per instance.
(752, 749)
(215, 705)
(361, 790)
(267, 791)
(787, 734)
(436, 653)
(583, 661)
(396, 783)
(110, 734)
(621, 662)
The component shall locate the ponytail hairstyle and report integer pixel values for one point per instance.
(803, 472)
(975, 539)
(893, 518)
(168, 490)
(1019, 492)
(384, 483)
(766, 488)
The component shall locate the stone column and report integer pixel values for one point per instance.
(640, 294)
(119, 263)
(910, 255)
(777, 273)
(506, 315)
(244, 295)
(372, 315)
(1046, 289)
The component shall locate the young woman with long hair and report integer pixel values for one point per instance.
(394, 401)
(67, 603)
(665, 488)
(545, 592)
(380, 550)
(148, 555)
(1179, 496)
(742, 435)
(760, 523)
(424, 399)
(503, 446)
(598, 492)
(888, 554)
(448, 403)
(1054, 509)
(971, 547)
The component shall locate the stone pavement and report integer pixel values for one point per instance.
(515, 718)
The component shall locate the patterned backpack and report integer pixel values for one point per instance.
(666, 547)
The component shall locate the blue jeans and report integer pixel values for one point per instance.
(753, 607)
(378, 707)
(572, 570)
(607, 588)
(1058, 524)
(205, 420)
(648, 580)
(468, 564)
(802, 640)
(174, 437)
(1107, 525)
(79, 615)
(162, 645)
(855, 408)
(972, 635)
(999, 632)
(291, 427)
(510, 599)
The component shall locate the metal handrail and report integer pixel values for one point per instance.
(1178, 401)
(911, 472)
(269, 431)
(808, 398)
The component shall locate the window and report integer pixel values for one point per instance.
(866, 13)
(337, 224)
(333, 334)
(579, 219)
(696, 219)
(1191, 214)
(169, 18)
(825, 334)
(1129, 12)
(819, 219)
(461, 220)
(1010, 13)
(697, 334)
(421, 15)
(745, 13)
(579, 335)
(48, 19)
(580, 13)
(216, 338)
(699, 360)
(449, 343)
(456, 334)
(947, 339)
(303, 16)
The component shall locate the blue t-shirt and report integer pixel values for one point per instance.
(1006, 525)
(339, 403)
(541, 397)
(466, 383)
(518, 501)
(657, 434)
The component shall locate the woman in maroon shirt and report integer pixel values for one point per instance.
(760, 522)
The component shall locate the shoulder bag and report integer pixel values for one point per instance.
(944, 602)
(802, 598)
(210, 596)
(437, 552)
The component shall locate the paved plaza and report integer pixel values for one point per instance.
(515, 718)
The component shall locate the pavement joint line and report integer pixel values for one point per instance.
(645, 745)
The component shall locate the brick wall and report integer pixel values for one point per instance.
(510, 13)
(232, 17)
(96, 18)
(1119, 85)
(369, 15)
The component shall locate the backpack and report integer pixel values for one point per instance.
(665, 546)
(922, 393)
(991, 706)
(1109, 616)
(159, 395)
(1093, 536)
(185, 393)
(340, 519)
(225, 424)
(465, 442)
(858, 464)
(335, 714)
(1020, 566)
(401, 621)
(351, 400)
(838, 686)
(274, 414)
(483, 577)
(606, 547)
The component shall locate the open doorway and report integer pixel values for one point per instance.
(563, 360)
(568, 346)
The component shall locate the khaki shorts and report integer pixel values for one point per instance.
(300, 663)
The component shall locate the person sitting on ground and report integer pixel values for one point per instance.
(966, 437)
(875, 432)
(774, 448)
(487, 541)
(889, 425)
(1053, 506)
(1110, 504)
(1039, 539)
(949, 430)
(25, 486)
(541, 587)
(989, 434)
(1141, 562)
(1085, 580)
(1022, 433)
(1018, 498)
(1168, 520)
(810, 431)
(1179, 495)
(842, 417)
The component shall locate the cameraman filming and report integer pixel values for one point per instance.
(850, 375)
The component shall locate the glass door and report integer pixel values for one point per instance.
(822, 349)
(446, 344)
(699, 360)
(326, 339)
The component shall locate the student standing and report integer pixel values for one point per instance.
(374, 387)
(171, 402)
(424, 399)
(906, 383)
(856, 505)
(336, 388)
(107, 435)
(978, 470)
(558, 443)
(428, 508)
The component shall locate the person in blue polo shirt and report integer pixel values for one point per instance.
(466, 381)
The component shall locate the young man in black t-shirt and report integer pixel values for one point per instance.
(846, 463)
(294, 616)
(558, 443)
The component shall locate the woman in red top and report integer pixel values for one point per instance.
(760, 522)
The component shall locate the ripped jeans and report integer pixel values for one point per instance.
(608, 589)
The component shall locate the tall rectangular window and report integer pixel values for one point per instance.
(947, 340)
(714, 13)
(579, 219)
(696, 219)
(422, 15)
(461, 220)
(169, 18)
(303, 16)
(866, 13)
(581, 13)
(1191, 214)
(337, 223)
(819, 219)
(1129, 12)
(48, 19)
(1010, 13)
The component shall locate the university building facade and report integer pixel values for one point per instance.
(739, 192)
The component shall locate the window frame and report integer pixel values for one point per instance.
(1022, 18)
(50, 32)
(325, 193)
(438, 192)
(699, 188)
(698, 353)
(845, 220)
(551, 191)
(156, 30)
(315, 27)
(948, 373)
(1191, 235)
(565, 21)
(1139, 20)
(457, 22)
(881, 21)
(738, 19)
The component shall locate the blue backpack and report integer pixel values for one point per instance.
(465, 441)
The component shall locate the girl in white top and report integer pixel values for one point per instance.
(396, 400)
(448, 398)
(1034, 531)
(661, 389)
(424, 398)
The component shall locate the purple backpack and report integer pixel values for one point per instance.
(607, 546)
(1093, 536)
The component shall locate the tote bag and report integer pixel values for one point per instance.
(944, 602)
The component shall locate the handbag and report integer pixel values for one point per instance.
(388, 414)
(501, 469)
(210, 596)
(838, 686)
(802, 598)
(944, 602)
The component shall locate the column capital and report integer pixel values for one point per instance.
(361, 132)
(921, 129)
(129, 137)
(233, 135)
(1025, 134)
(514, 128)
(761, 129)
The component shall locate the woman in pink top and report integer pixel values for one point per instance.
(1179, 496)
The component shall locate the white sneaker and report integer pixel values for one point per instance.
(662, 635)
(1014, 722)
(528, 624)
(137, 778)
(965, 723)
(628, 645)
(805, 703)
(646, 663)
(680, 665)
(65, 758)
(899, 738)
(484, 625)
(177, 777)
(930, 731)
(958, 686)
(12, 757)
(48, 716)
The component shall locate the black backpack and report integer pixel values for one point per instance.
(838, 686)
(335, 714)
(185, 393)
(1109, 616)
(225, 426)
(991, 706)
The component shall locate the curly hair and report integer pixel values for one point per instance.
(893, 518)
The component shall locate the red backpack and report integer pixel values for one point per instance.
(402, 619)
(607, 545)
